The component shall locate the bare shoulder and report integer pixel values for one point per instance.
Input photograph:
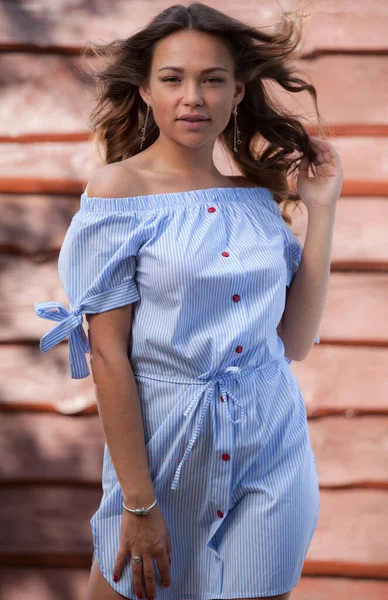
(113, 181)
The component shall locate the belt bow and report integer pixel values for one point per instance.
(221, 379)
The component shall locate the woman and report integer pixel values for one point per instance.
(182, 274)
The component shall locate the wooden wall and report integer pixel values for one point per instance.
(51, 439)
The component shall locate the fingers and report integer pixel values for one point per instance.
(143, 573)
(149, 578)
(137, 576)
(163, 562)
(168, 546)
(120, 563)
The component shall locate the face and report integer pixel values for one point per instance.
(172, 93)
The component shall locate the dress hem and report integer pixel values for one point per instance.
(259, 594)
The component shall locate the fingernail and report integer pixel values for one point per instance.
(166, 584)
(115, 578)
(139, 595)
(150, 598)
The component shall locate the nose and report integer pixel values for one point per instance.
(192, 94)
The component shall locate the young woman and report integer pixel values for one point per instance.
(181, 273)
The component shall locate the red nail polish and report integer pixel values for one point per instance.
(165, 584)
(139, 595)
(115, 578)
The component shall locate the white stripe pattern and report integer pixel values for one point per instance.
(224, 418)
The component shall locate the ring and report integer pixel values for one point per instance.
(137, 558)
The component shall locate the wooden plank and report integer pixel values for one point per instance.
(70, 166)
(360, 462)
(359, 181)
(34, 109)
(33, 105)
(49, 448)
(350, 539)
(40, 526)
(30, 444)
(332, 25)
(340, 588)
(71, 584)
(20, 583)
(34, 224)
(46, 167)
(334, 379)
(360, 233)
(44, 383)
(346, 106)
(59, 168)
(354, 310)
(344, 379)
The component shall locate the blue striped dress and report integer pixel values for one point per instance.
(225, 423)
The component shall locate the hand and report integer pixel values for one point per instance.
(146, 536)
(325, 188)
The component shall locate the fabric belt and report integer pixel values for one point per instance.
(222, 379)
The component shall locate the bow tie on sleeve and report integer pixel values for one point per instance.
(70, 324)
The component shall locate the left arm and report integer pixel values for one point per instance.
(307, 294)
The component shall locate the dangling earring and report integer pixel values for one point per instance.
(144, 128)
(236, 130)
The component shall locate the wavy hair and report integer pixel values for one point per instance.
(259, 57)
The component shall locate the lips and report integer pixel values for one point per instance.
(193, 119)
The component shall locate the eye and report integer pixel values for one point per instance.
(216, 79)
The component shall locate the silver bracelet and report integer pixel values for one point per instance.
(139, 511)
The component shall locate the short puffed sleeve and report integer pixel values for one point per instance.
(97, 267)
(293, 251)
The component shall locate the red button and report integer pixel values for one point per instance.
(222, 400)
(211, 209)
(225, 457)
(220, 513)
(236, 297)
(225, 253)
(239, 349)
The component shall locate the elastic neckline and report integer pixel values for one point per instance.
(157, 201)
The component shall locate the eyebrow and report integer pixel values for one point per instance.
(208, 70)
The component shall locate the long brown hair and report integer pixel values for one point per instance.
(118, 110)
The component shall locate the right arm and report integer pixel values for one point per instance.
(121, 416)
(118, 403)
(115, 386)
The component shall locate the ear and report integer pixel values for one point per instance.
(144, 93)
(239, 92)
